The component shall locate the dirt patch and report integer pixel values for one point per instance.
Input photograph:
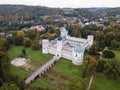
(30, 66)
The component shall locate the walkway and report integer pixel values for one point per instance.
(41, 70)
(90, 82)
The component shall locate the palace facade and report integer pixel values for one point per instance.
(68, 47)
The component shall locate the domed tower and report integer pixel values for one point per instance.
(63, 32)
(45, 43)
(59, 47)
(78, 54)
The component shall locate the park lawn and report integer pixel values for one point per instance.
(37, 56)
(101, 82)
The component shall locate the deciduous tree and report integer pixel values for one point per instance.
(89, 66)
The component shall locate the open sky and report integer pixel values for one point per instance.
(66, 3)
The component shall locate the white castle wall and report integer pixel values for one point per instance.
(58, 50)
(52, 49)
(67, 54)
(45, 43)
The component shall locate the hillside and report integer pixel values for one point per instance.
(28, 12)
(13, 12)
(106, 11)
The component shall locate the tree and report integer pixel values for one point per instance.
(5, 69)
(108, 54)
(114, 44)
(18, 40)
(36, 44)
(109, 36)
(27, 42)
(4, 44)
(100, 66)
(23, 53)
(31, 33)
(89, 66)
(99, 35)
(112, 69)
(20, 34)
(93, 49)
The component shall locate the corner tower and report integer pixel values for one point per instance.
(78, 54)
(45, 43)
(90, 39)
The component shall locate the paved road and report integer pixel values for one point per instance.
(42, 69)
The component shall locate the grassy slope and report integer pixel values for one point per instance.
(17, 71)
(102, 83)
(34, 55)
(63, 65)
(42, 84)
(68, 67)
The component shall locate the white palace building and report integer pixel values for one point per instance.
(68, 47)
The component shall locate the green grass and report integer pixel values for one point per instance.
(63, 65)
(42, 84)
(117, 54)
(37, 56)
(66, 66)
(18, 72)
(100, 82)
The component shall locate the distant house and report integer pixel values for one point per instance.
(40, 28)
(33, 27)
(2, 35)
(25, 29)
(118, 21)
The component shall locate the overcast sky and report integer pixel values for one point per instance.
(66, 3)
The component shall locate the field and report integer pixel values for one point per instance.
(63, 75)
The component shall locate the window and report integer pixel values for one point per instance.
(76, 55)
